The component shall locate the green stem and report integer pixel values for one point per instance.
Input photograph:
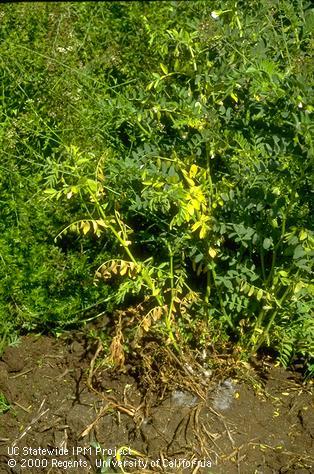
(208, 287)
(227, 317)
(271, 319)
(169, 314)
(263, 263)
(274, 256)
(210, 182)
(146, 276)
(270, 322)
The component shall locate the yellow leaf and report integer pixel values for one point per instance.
(101, 223)
(196, 226)
(212, 252)
(123, 268)
(188, 179)
(131, 266)
(184, 215)
(299, 286)
(196, 204)
(193, 171)
(158, 184)
(190, 208)
(203, 231)
(234, 96)
(86, 227)
(127, 451)
(114, 268)
(100, 174)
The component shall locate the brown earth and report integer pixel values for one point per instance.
(62, 399)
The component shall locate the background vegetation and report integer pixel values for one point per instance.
(169, 148)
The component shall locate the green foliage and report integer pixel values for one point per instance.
(4, 404)
(174, 140)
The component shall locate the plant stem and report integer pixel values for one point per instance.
(208, 287)
(146, 276)
(263, 263)
(170, 310)
(227, 317)
(210, 182)
(270, 322)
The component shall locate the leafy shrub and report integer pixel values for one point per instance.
(197, 121)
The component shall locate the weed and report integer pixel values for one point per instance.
(4, 404)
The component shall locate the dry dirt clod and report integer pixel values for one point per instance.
(4, 381)
(13, 359)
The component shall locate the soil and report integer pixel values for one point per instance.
(68, 412)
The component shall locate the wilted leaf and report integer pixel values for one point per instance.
(123, 267)
(146, 323)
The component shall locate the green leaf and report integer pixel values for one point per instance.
(267, 243)
(92, 185)
(164, 68)
(283, 273)
(227, 283)
(298, 252)
(198, 258)
(259, 294)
